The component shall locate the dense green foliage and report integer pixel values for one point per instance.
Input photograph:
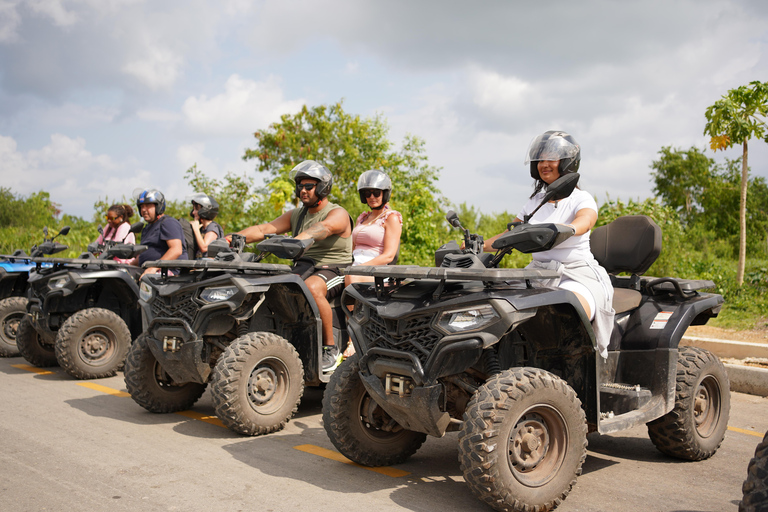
(349, 145)
(706, 197)
(735, 118)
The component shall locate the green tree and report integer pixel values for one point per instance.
(349, 145)
(680, 179)
(734, 119)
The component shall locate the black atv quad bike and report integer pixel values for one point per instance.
(250, 329)
(514, 368)
(14, 273)
(83, 312)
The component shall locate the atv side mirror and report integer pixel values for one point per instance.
(63, 231)
(100, 230)
(453, 219)
(561, 188)
(218, 246)
(125, 251)
(136, 227)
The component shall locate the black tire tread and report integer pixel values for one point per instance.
(341, 423)
(229, 375)
(66, 343)
(30, 345)
(141, 383)
(480, 448)
(10, 306)
(674, 434)
(755, 487)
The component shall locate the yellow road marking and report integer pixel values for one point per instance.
(330, 454)
(748, 432)
(33, 369)
(103, 389)
(213, 420)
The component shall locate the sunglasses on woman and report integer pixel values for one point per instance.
(371, 192)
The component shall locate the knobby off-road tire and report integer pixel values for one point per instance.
(524, 440)
(360, 429)
(755, 488)
(12, 310)
(32, 346)
(151, 387)
(695, 428)
(257, 384)
(92, 343)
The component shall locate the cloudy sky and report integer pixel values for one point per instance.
(98, 97)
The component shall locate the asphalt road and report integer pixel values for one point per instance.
(85, 445)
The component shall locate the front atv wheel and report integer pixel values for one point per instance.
(32, 345)
(360, 429)
(257, 384)
(151, 387)
(92, 343)
(524, 440)
(755, 487)
(12, 310)
(695, 428)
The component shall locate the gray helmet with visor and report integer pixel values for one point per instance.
(313, 170)
(554, 145)
(377, 180)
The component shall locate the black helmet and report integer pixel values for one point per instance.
(151, 196)
(554, 145)
(375, 179)
(313, 170)
(209, 207)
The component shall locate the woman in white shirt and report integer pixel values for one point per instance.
(551, 155)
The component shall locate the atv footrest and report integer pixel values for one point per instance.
(617, 398)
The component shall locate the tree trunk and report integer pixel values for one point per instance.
(743, 217)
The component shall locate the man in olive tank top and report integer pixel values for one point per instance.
(322, 266)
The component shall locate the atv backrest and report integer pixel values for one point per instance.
(628, 244)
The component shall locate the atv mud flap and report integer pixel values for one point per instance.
(177, 349)
(417, 411)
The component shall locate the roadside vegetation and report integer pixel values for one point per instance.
(697, 204)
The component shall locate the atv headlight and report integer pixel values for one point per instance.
(467, 319)
(58, 283)
(145, 291)
(218, 294)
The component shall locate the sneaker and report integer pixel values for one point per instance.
(331, 358)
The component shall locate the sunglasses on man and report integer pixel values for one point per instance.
(305, 186)
(371, 192)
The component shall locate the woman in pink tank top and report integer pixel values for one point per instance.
(376, 237)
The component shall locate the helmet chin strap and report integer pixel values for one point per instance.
(378, 207)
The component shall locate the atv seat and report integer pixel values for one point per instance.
(628, 244)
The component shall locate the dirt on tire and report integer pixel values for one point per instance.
(695, 427)
(362, 440)
(755, 487)
(257, 384)
(92, 343)
(151, 387)
(524, 441)
(12, 310)
(32, 345)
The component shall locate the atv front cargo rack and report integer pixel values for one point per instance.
(399, 273)
(205, 264)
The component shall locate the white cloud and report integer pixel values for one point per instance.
(9, 21)
(55, 10)
(243, 106)
(157, 68)
(75, 177)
